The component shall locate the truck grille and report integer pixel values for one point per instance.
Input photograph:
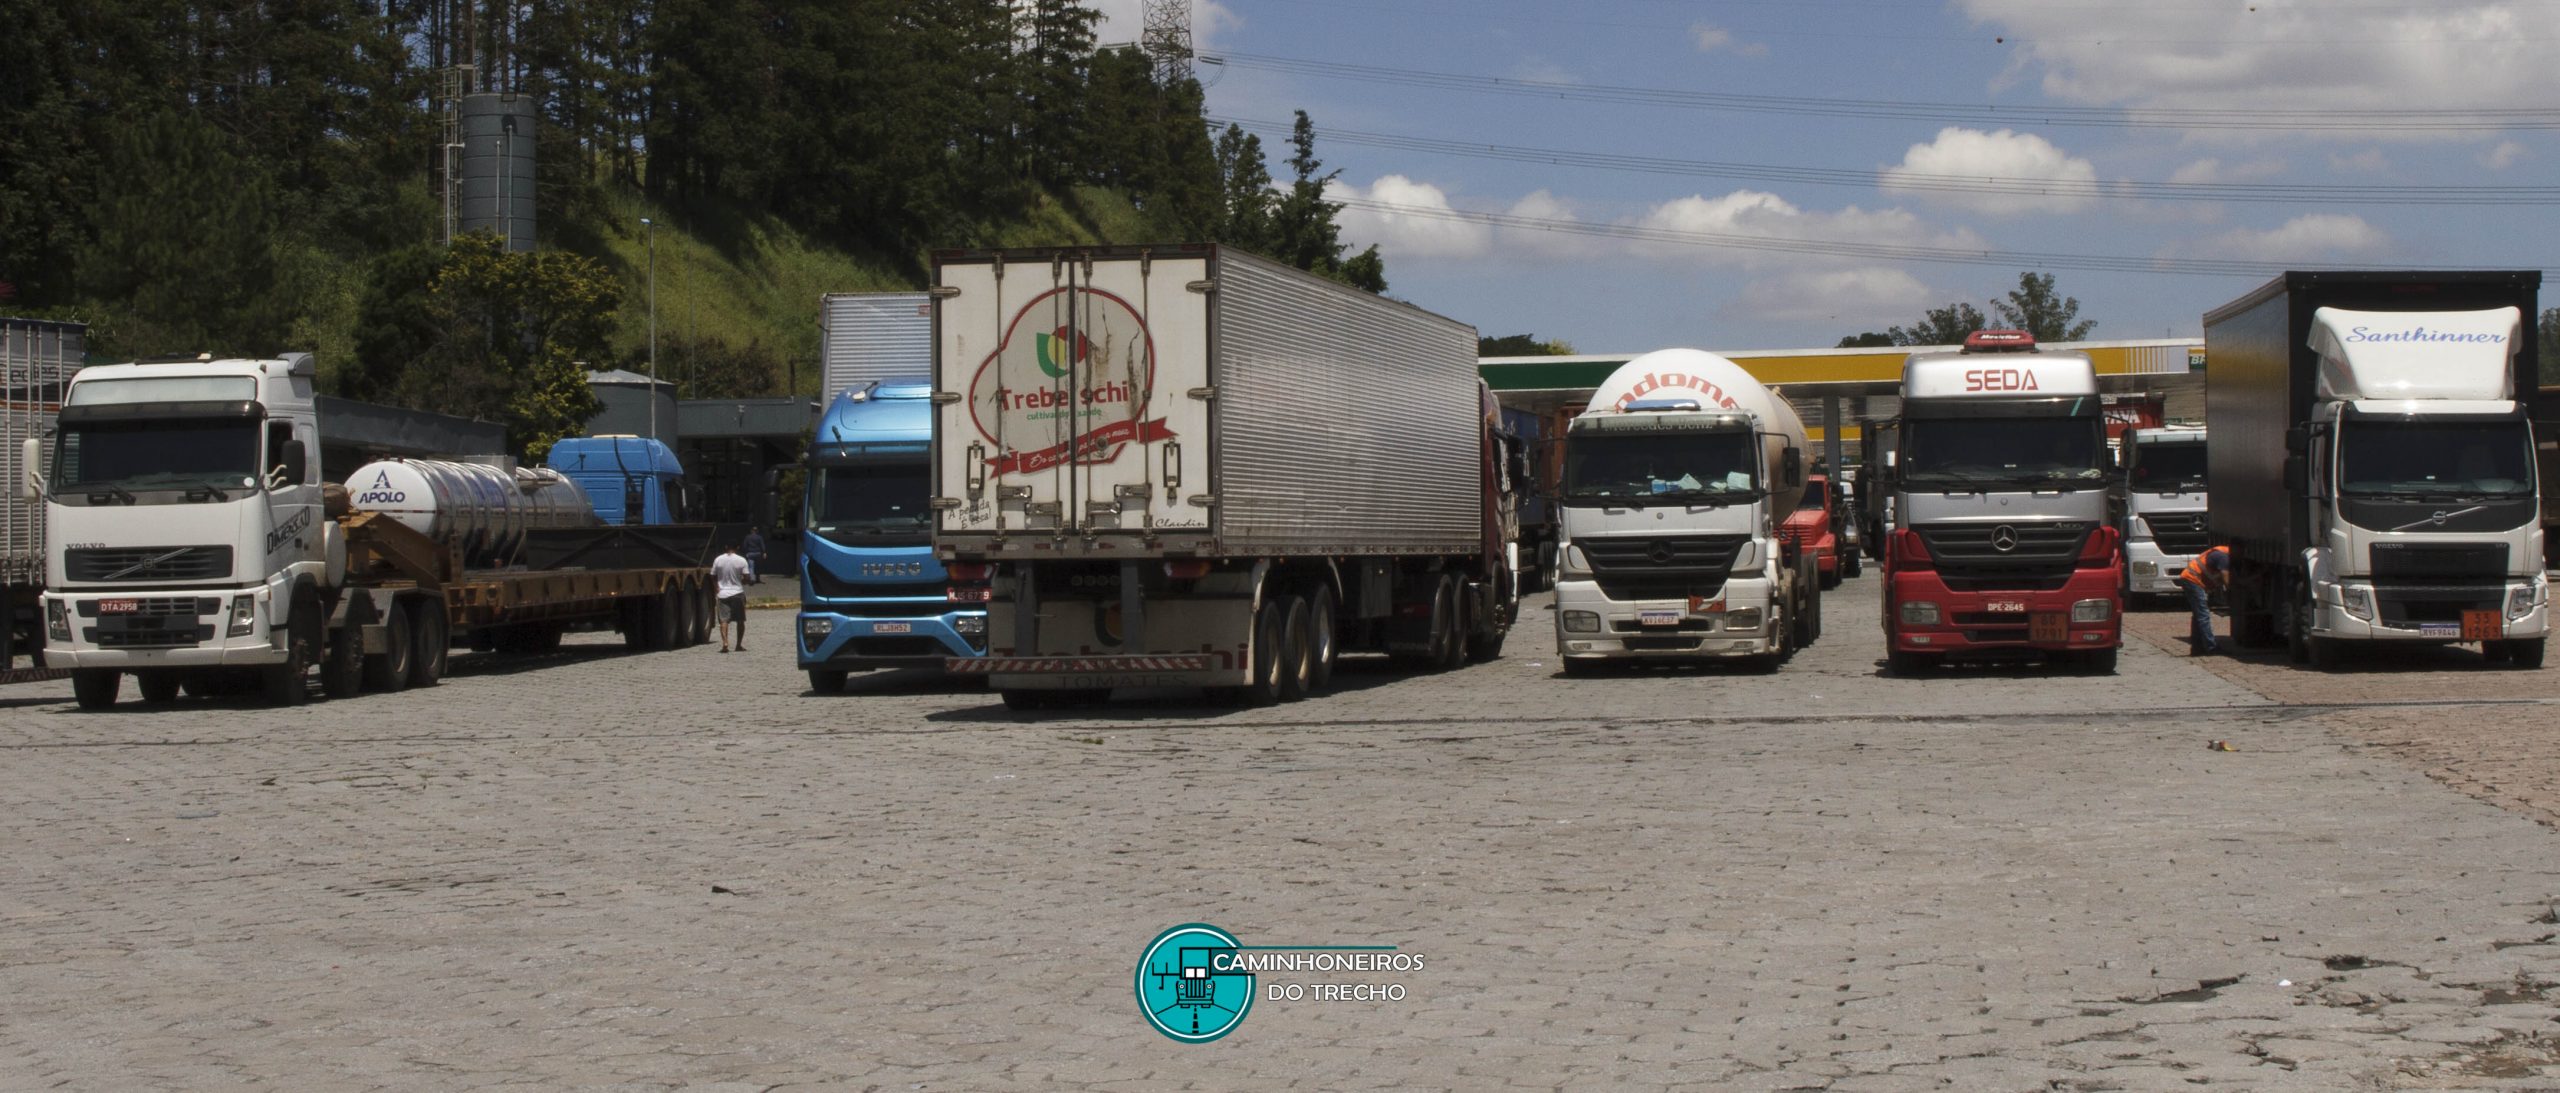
(193, 563)
(2036, 555)
(2439, 561)
(1669, 567)
(826, 585)
(2407, 606)
(159, 622)
(2177, 532)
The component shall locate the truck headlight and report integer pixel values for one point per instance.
(970, 624)
(57, 620)
(244, 614)
(815, 628)
(1746, 619)
(1580, 622)
(2092, 610)
(1919, 613)
(2144, 569)
(2358, 601)
(2520, 602)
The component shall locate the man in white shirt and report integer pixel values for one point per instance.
(729, 572)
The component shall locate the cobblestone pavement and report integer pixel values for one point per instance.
(683, 870)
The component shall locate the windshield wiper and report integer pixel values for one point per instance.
(111, 491)
(207, 491)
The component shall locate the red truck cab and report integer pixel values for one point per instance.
(1811, 527)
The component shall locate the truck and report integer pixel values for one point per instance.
(37, 358)
(1678, 482)
(1189, 466)
(1872, 484)
(2546, 448)
(2163, 521)
(872, 594)
(2000, 545)
(626, 479)
(195, 547)
(2373, 465)
(1815, 525)
(868, 337)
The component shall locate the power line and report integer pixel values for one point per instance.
(2271, 118)
(2289, 193)
(1896, 252)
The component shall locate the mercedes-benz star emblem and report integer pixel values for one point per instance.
(1662, 554)
(2004, 538)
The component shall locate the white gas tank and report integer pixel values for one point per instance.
(485, 511)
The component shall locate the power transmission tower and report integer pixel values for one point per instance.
(1167, 38)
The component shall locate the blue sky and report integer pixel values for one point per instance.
(1564, 265)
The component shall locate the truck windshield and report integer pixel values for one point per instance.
(1717, 467)
(2028, 452)
(2159, 468)
(134, 456)
(2435, 459)
(872, 497)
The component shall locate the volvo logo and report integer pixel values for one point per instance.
(2004, 538)
(1662, 553)
(2438, 517)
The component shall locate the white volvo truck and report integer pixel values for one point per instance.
(2164, 501)
(1676, 483)
(2373, 465)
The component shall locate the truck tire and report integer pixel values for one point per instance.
(688, 616)
(1907, 664)
(1029, 701)
(1485, 643)
(342, 669)
(1268, 622)
(829, 681)
(631, 616)
(1296, 670)
(95, 688)
(289, 683)
(388, 670)
(665, 617)
(1323, 642)
(2101, 662)
(158, 688)
(1852, 562)
(2525, 653)
(434, 640)
(705, 606)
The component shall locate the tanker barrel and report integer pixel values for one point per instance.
(483, 511)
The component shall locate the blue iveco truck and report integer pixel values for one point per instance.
(871, 593)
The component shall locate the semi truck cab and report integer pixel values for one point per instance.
(872, 595)
(2164, 506)
(2000, 542)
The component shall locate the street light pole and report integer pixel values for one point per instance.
(651, 231)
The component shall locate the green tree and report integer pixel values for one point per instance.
(513, 329)
(397, 323)
(706, 367)
(1868, 340)
(1305, 232)
(1941, 326)
(2035, 308)
(185, 243)
(1244, 184)
(2549, 346)
(1522, 345)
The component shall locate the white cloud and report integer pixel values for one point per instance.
(1407, 235)
(2442, 54)
(1715, 39)
(2004, 154)
(1865, 298)
(2319, 236)
(2507, 154)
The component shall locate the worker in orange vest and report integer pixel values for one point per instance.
(2206, 573)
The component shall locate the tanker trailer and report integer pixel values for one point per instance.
(484, 511)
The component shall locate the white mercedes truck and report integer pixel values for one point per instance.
(1677, 484)
(2164, 501)
(2373, 462)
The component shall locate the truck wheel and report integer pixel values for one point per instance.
(665, 616)
(342, 669)
(1486, 642)
(1322, 642)
(1026, 701)
(2100, 662)
(434, 653)
(158, 688)
(631, 616)
(1909, 665)
(705, 605)
(2525, 653)
(388, 670)
(1268, 624)
(95, 688)
(2322, 654)
(1852, 563)
(1297, 650)
(288, 684)
(688, 616)
(1462, 624)
(829, 681)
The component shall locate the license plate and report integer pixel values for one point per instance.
(2481, 626)
(119, 607)
(893, 628)
(2011, 607)
(2439, 630)
(2049, 627)
(1650, 617)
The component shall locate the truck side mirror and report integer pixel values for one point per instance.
(1791, 466)
(2297, 440)
(31, 461)
(2295, 480)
